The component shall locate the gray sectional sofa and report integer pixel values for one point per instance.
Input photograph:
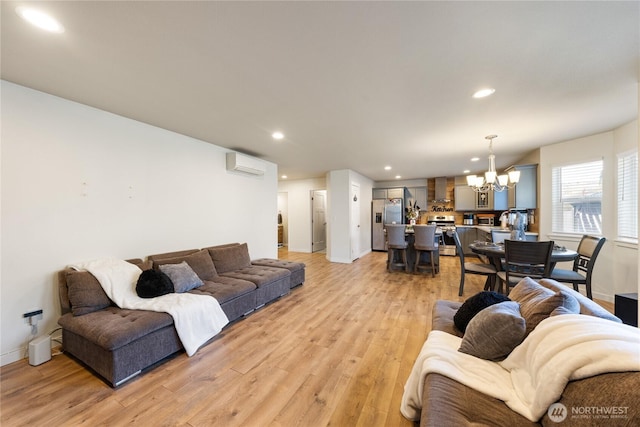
(447, 402)
(118, 344)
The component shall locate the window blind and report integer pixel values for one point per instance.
(628, 195)
(577, 198)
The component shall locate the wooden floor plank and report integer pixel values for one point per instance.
(335, 351)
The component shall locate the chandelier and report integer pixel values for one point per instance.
(491, 181)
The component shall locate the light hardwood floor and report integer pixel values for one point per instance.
(336, 351)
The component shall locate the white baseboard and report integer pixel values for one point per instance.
(12, 356)
(340, 260)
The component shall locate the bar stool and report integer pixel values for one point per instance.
(396, 242)
(425, 241)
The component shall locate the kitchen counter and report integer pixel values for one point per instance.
(487, 229)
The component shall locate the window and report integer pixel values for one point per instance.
(577, 198)
(628, 195)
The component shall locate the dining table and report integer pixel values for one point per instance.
(495, 253)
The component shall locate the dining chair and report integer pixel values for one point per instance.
(482, 269)
(524, 259)
(499, 236)
(588, 250)
(425, 241)
(396, 243)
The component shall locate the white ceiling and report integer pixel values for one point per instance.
(355, 85)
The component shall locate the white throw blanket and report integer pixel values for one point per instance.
(534, 375)
(197, 318)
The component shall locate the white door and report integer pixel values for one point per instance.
(355, 221)
(318, 220)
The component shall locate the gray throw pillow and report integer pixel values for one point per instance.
(568, 304)
(494, 332)
(537, 302)
(200, 262)
(183, 277)
(474, 305)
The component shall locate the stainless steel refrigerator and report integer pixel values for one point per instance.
(384, 211)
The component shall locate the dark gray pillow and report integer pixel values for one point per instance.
(230, 258)
(183, 277)
(494, 332)
(85, 293)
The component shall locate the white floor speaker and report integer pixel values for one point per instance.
(40, 350)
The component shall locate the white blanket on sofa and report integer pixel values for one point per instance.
(197, 318)
(534, 375)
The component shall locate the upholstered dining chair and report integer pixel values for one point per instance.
(588, 251)
(396, 242)
(482, 269)
(425, 241)
(524, 259)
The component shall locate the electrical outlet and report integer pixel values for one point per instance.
(32, 317)
(33, 313)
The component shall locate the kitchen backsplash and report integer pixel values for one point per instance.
(449, 207)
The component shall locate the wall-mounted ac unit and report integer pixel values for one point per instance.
(241, 163)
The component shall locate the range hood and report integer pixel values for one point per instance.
(441, 190)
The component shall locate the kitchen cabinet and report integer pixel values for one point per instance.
(464, 198)
(491, 201)
(524, 194)
(380, 193)
(395, 193)
(419, 194)
(388, 193)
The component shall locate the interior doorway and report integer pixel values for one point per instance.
(318, 220)
(283, 219)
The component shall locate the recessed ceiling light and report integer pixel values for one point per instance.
(284, 177)
(277, 135)
(40, 19)
(484, 92)
(475, 159)
(398, 177)
(387, 168)
(466, 171)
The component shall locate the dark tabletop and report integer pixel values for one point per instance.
(490, 249)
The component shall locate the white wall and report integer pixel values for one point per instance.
(366, 197)
(339, 214)
(299, 227)
(79, 183)
(616, 269)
